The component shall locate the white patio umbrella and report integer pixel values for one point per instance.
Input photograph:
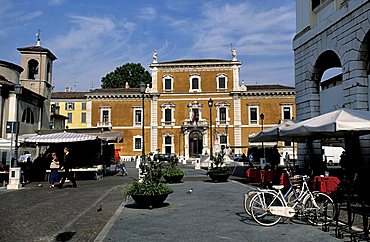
(272, 134)
(332, 124)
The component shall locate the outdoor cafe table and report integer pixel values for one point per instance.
(284, 179)
(253, 175)
(267, 176)
(325, 184)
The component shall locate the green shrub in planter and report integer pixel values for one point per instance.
(172, 171)
(149, 187)
(219, 173)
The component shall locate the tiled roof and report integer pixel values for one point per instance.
(194, 61)
(38, 49)
(11, 65)
(68, 95)
(116, 90)
(267, 87)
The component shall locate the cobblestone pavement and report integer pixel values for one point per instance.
(213, 212)
(39, 213)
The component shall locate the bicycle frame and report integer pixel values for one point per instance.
(286, 210)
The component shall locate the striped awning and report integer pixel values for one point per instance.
(63, 137)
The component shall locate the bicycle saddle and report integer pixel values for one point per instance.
(278, 187)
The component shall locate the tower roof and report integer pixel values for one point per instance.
(37, 49)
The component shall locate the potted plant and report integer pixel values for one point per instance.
(218, 172)
(171, 173)
(149, 191)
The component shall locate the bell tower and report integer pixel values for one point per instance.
(37, 63)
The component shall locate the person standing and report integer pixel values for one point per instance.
(54, 167)
(67, 165)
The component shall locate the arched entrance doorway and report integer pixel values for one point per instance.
(195, 143)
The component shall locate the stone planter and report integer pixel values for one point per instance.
(150, 201)
(173, 179)
(219, 177)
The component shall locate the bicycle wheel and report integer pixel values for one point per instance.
(260, 204)
(247, 201)
(321, 215)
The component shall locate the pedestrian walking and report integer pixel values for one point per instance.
(67, 165)
(54, 167)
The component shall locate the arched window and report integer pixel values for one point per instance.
(221, 81)
(27, 116)
(195, 83)
(33, 69)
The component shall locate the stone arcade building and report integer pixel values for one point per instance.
(332, 34)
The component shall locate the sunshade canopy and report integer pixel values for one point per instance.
(63, 137)
(332, 124)
(271, 134)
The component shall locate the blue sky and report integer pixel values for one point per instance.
(92, 38)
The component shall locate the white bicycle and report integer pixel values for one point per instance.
(268, 207)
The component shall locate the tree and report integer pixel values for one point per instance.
(133, 73)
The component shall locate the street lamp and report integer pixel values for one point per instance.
(210, 105)
(262, 117)
(142, 91)
(18, 91)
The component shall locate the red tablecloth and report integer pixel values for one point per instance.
(253, 174)
(267, 176)
(326, 184)
(284, 179)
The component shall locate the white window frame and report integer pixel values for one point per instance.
(105, 123)
(191, 89)
(70, 106)
(221, 75)
(222, 133)
(218, 117)
(134, 142)
(172, 145)
(290, 106)
(256, 123)
(137, 124)
(164, 83)
(165, 106)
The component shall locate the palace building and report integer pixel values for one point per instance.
(192, 108)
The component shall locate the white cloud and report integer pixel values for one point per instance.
(92, 48)
(29, 16)
(55, 2)
(250, 29)
(147, 13)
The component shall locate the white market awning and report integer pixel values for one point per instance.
(63, 137)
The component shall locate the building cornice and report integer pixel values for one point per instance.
(115, 95)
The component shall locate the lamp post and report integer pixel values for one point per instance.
(210, 105)
(18, 92)
(142, 91)
(262, 117)
(14, 171)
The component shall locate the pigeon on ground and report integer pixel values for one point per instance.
(190, 191)
(100, 208)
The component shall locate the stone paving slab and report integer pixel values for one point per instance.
(212, 212)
